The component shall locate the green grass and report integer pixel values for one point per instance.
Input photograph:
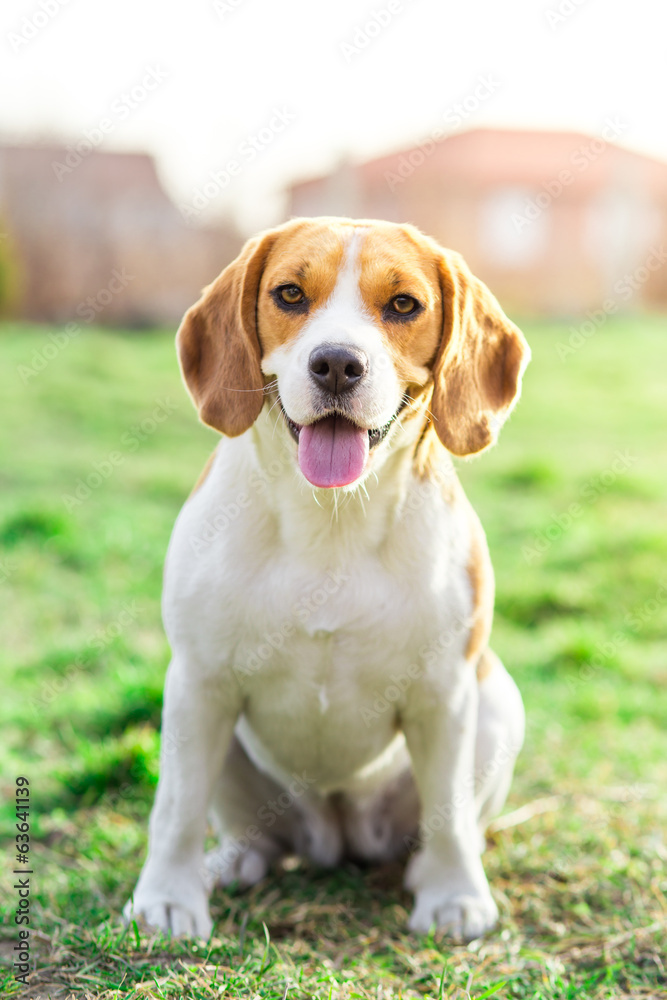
(581, 622)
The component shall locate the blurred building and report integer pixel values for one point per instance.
(97, 238)
(555, 223)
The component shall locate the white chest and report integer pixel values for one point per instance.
(313, 634)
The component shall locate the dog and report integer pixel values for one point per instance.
(328, 591)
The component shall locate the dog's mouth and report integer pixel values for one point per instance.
(333, 451)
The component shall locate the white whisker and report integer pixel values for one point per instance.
(334, 512)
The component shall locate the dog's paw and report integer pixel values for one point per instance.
(231, 862)
(174, 906)
(450, 898)
(180, 921)
(462, 916)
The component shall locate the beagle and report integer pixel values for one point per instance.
(328, 592)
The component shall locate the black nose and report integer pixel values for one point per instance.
(337, 368)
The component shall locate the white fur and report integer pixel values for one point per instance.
(342, 320)
(291, 612)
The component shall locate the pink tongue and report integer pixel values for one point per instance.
(332, 451)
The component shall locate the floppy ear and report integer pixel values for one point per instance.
(478, 368)
(218, 347)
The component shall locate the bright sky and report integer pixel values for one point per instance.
(350, 78)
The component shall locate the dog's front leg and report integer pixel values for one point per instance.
(197, 726)
(446, 875)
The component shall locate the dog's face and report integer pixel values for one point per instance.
(349, 319)
(346, 327)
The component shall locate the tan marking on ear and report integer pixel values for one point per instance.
(478, 367)
(203, 474)
(218, 346)
(462, 343)
(480, 575)
(487, 661)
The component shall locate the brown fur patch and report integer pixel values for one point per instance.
(308, 254)
(461, 343)
(477, 372)
(218, 347)
(485, 664)
(480, 574)
(396, 261)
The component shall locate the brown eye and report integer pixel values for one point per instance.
(291, 295)
(403, 305)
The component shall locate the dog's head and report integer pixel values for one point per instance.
(345, 325)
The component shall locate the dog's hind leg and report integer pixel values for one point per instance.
(500, 732)
(249, 839)
(258, 821)
(380, 812)
(381, 825)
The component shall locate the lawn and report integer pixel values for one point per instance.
(100, 447)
